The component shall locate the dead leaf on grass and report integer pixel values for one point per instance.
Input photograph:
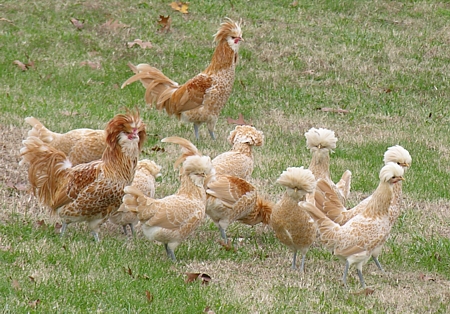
(34, 304)
(180, 6)
(20, 65)
(294, 4)
(79, 25)
(156, 148)
(58, 227)
(95, 65)
(128, 271)
(69, 113)
(208, 310)
(6, 20)
(367, 291)
(149, 296)
(140, 43)
(205, 278)
(239, 121)
(15, 284)
(424, 277)
(165, 23)
(114, 25)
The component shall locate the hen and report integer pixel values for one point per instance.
(292, 224)
(339, 214)
(201, 98)
(144, 179)
(233, 199)
(321, 143)
(355, 241)
(238, 161)
(92, 191)
(80, 145)
(172, 219)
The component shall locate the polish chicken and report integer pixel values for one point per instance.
(201, 98)
(144, 179)
(355, 241)
(339, 214)
(321, 143)
(231, 199)
(292, 225)
(80, 145)
(238, 161)
(91, 191)
(172, 219)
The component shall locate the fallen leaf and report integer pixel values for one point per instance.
(69, 113)
(239, 121)
(58, 227)
(31, 278)
(310, 72)
(20, 64)
(15, 284)
(41, 224)
(79, 25)
(227, 246)
(367, 291)
(180, 6)
(194, 276)
(21, 186)
(205, 279)
(5, 248)
(165, 23)
(424, 277)
(294, 4)
(437, 256)
(191, 277)
(93, 65)
(149, 296)
(208, 310)
(156, 148)
(114, 25)
(128, 271)
(336, 110)
(6, 20)
(34, 303)
(140, 43)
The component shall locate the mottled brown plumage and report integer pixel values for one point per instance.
(355, 241)
(173, 218)
(92, 191)
(238, 162)
(201, 98)
(231, 199)
(291, 223)
(144, 179)
(321, 143)
(80, 145)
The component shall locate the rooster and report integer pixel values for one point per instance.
(144, 179)
(87, 192)
(292, 224)
(238, 161)
(355, 241)
(233, 199)
(339, 214)
(321, 143)
(201, 98)
(172, 219)
(80, 145)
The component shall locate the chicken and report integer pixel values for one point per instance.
(80, 145)
(339, 214)
(87, 192)
(144, 179)
(321, 143)
(231, 199)
(292, 224)
(239, 161)
(355, 241)
(173, 218)
(201, 98)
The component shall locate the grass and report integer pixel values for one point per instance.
(386, 62)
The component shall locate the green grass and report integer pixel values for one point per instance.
(386, 62)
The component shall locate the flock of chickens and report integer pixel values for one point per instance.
(95, 175)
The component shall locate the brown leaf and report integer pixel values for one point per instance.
(336, 110)
(79, 25)
(6, 20)
(140, 43)
(15, 284)
(205, 279)
(41, 224)
(58, 227)
(310, 72)
(149, 296)
(156, 148)
(180, 6)
(294, 4)
(69, 113)
(165, 23)
(208, 310)
(114, 25)
(20, 65)
(227, 246)
(424, 277)
(93, 65)
(34, 304)
(128, 271)
(31, 278)
(21, 187)
(366, 292)
(191, 277)
(239, 121)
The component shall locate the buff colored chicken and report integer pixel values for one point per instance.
(144, 179)
(291, 223)
(172, 219)
(339, 214)
(355, 241)
(321, 143)
(92, 191)
(80, 145)
(231, 199)
(201, 98)
(238, 161)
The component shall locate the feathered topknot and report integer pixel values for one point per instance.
(298, 177)
(150, 166)
(228, 28)
(246, 134)
(125, 123)
(320, 139)
(398, 155)
(200, 164)
(390, 170)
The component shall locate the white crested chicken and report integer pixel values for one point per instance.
(144, 179)
(292, 225)
(321, 142)
(200, 99)
(238, 161)
(339, 214)
(92, 191)
(231, 199)
(355, 241)
(80, 145)
(172, 219)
